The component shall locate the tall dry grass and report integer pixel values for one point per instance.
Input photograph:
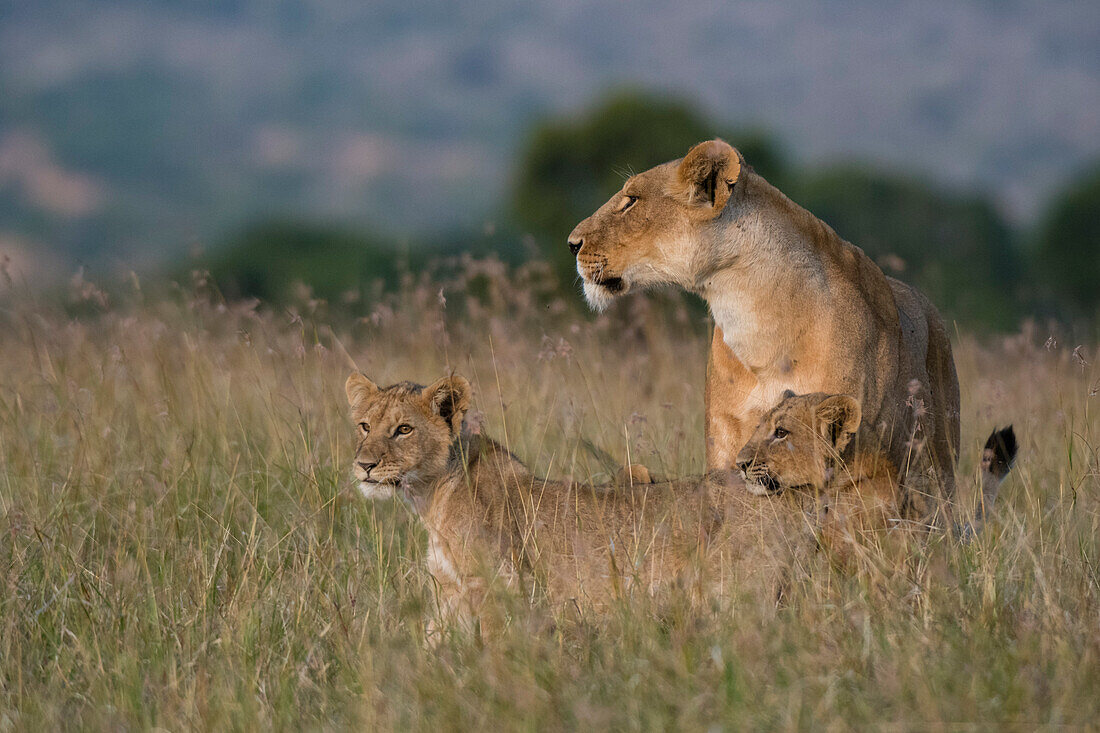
(181, 546)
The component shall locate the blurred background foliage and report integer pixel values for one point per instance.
(979, 269)
(269, 260)
(1068, 248)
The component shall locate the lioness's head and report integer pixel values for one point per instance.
(649, 232)
(797, 441)
(405, 431)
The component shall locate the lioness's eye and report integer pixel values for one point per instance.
(628, 201)
(365, 427)
(403, 430)
(780, 433)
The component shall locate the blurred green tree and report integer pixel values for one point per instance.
(956, 249)
(267, 259)
(1068, 248)
(569, 168)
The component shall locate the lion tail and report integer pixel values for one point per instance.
(998, 457)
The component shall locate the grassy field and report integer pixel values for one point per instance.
(181, 545)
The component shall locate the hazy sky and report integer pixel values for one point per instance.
(146, 125)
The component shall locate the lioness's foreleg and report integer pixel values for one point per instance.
(729, 422)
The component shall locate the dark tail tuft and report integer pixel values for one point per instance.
(1000, 452)
(997, 459)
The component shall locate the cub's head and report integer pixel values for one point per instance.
(649, 232)
(405, 432)
(797, 441)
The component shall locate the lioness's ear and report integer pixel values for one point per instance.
(708, 173)
(838, 419)
(450, 399)
(359, 388)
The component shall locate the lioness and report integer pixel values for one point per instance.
(579, 546)
(794, 305)
(798, 447)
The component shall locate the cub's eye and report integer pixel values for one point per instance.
(628, 201)
(365, 427)
(403, 430)
(780, 433)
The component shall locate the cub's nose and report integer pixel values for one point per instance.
(367, 466)
(575, 245)
(744, 466)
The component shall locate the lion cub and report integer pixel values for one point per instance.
(797, 447)
(578, 546)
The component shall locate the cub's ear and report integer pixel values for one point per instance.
(359, 388)
(708, 173)
(450, 399)
(838, 419)
(787, 394)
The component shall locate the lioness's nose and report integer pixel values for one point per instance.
(744, 466)
(367, 466)
(575, 245)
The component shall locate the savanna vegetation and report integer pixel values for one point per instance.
(982, 269)
(182, 546)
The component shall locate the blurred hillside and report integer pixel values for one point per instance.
(133, 129)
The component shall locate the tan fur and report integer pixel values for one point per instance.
(580, 547)
(795, 307)
(798, 448)
(635, 473)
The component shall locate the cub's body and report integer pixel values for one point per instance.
(587, 546)
(803, 446)
(578, 547)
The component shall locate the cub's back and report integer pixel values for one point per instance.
(592, 544)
